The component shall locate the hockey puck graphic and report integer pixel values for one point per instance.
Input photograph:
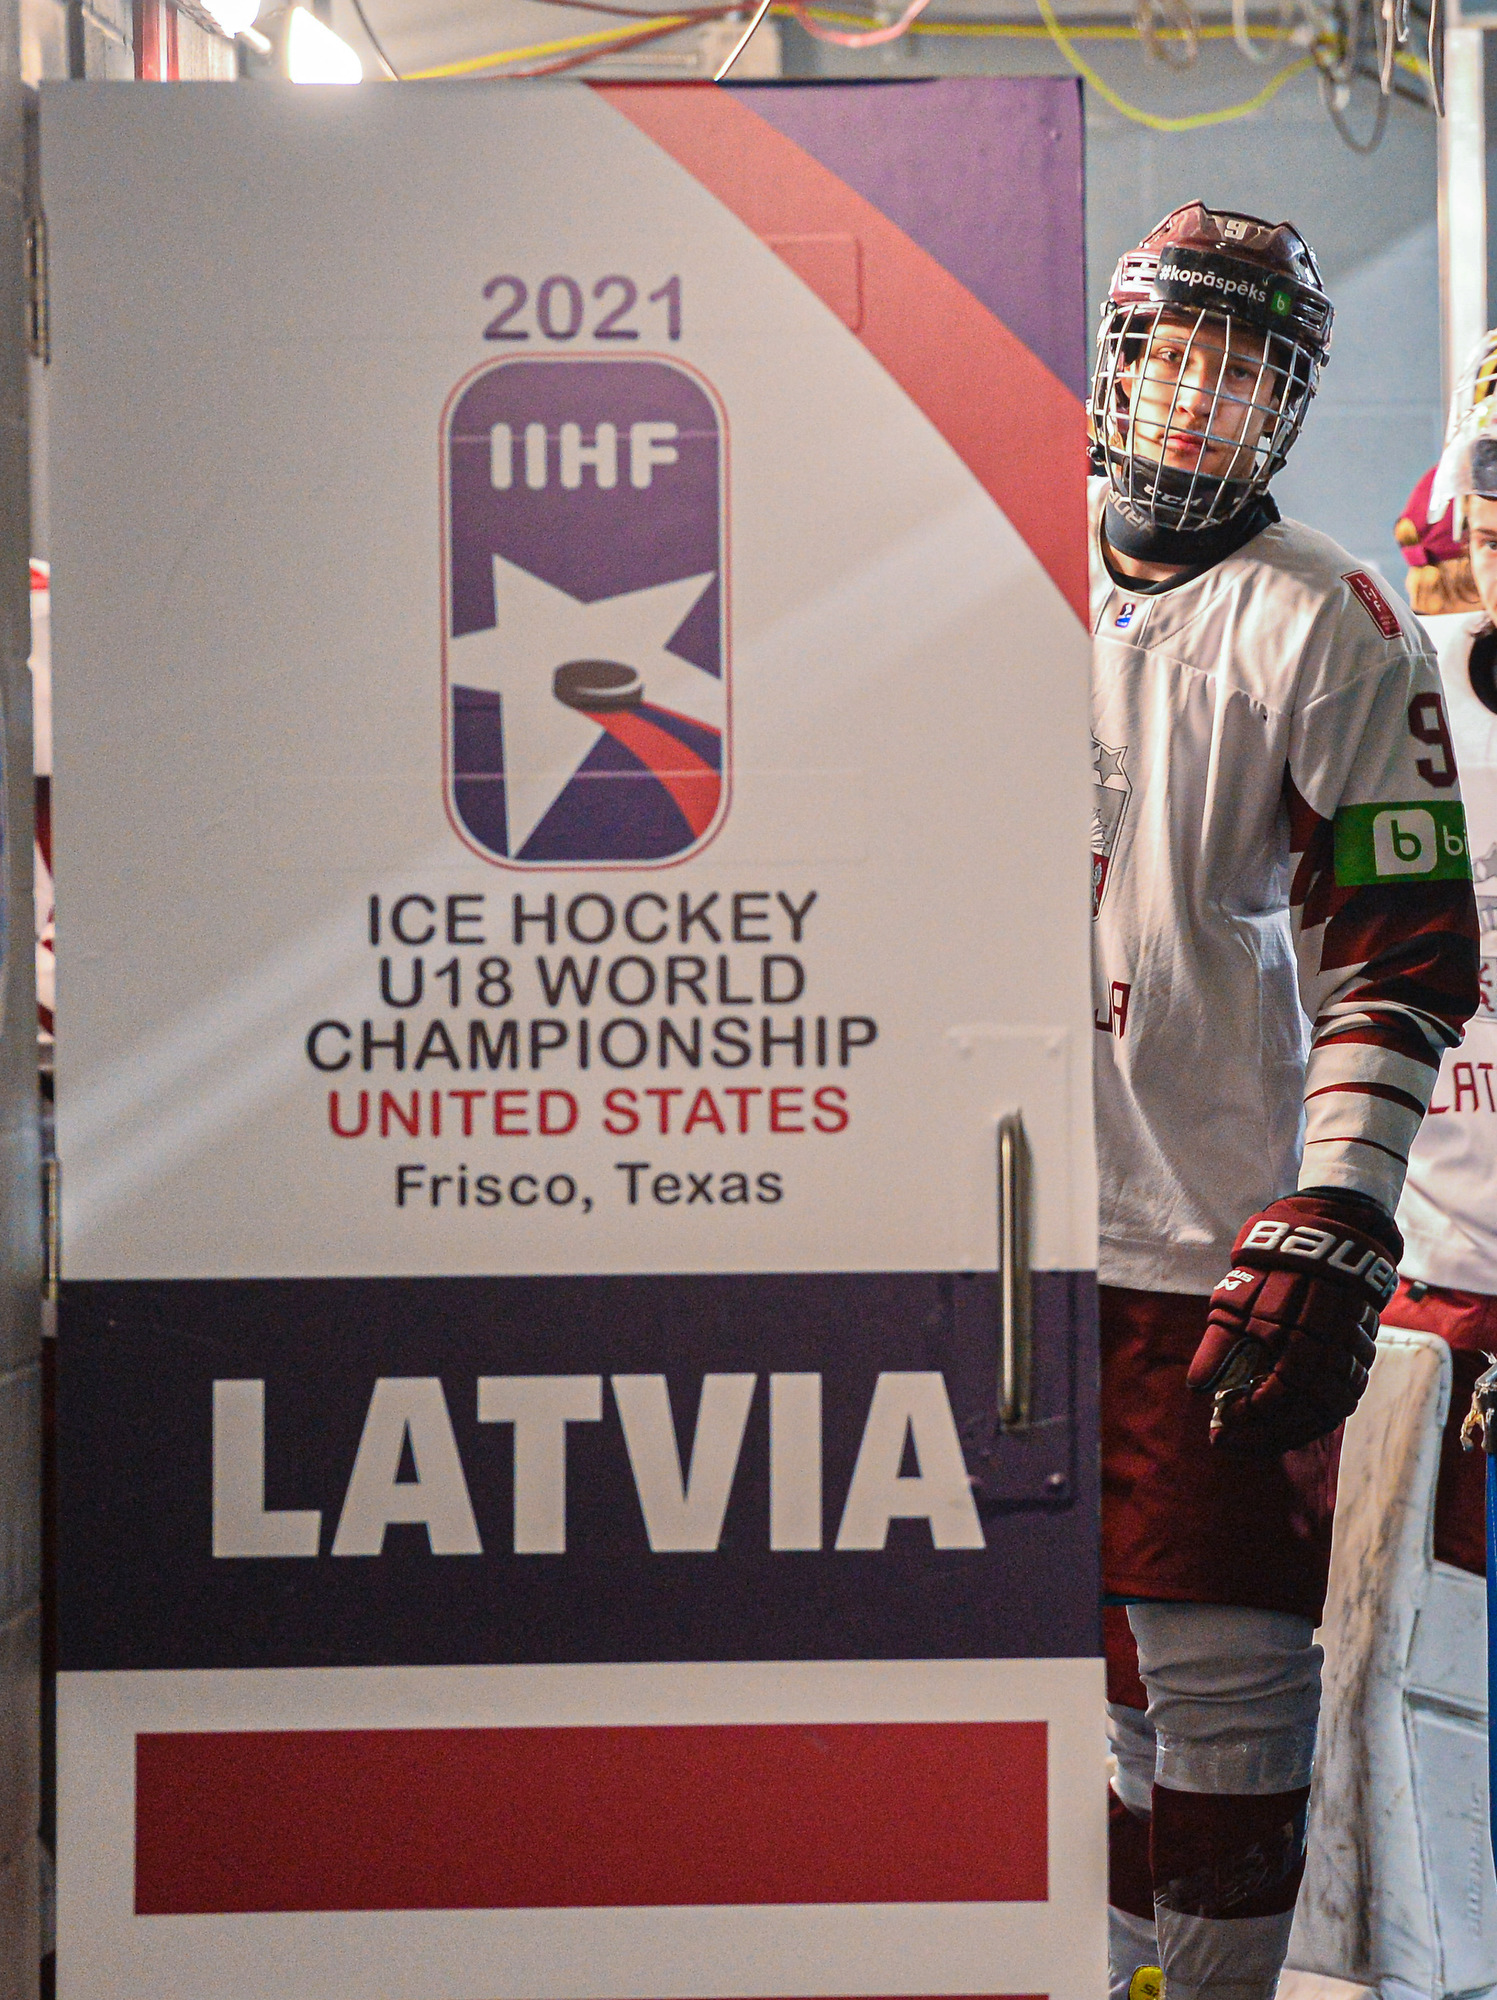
(587, 662)
(598, 685)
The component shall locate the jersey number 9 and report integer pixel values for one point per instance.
(1427, 724)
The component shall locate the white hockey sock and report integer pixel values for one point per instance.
(1131, 1942)
(1221, 1958)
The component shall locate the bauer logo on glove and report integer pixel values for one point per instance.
(1351, 1254)
(1291, 1330)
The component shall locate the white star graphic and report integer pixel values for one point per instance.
(538, 629)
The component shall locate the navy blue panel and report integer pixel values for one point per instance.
(611, 800)
(478, 766)
(698, 638)
(140, 1587)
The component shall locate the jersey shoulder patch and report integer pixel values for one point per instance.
(1373, 602)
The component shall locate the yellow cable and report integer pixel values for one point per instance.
(1196, 119)
(1021, 31)
(1011, 30)
(651, 27)
(1027, 31)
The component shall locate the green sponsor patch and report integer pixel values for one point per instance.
(1279, 301)
(1414, 843)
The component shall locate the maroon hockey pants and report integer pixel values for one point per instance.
(1183, 1522)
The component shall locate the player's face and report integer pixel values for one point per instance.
(1199, 395)
(1481, 531)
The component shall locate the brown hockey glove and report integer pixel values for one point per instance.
(1291, 1332)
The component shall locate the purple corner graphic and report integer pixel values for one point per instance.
(586, 645)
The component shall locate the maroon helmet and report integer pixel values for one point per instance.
(1210, 348)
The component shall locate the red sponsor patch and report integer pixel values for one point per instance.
(1373, 602)
(557, 1818)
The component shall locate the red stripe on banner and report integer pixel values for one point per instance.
(493, 1819)
(690, 779)
(1016, 426)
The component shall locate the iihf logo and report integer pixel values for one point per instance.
(586, 620)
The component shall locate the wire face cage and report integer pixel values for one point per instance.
(1193, 411)
(1210, 348)
(1476, 387)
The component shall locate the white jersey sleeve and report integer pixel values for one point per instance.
(1378, 900)
(1449, 1210)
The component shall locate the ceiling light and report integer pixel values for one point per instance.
(233, 16)
(314, 54)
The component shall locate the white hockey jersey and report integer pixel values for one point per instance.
(1284, 931)
(1449, 1210)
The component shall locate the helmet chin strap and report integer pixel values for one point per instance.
(1196, 549)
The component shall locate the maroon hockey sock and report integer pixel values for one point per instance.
(1228, 1854)
(1130, 1882)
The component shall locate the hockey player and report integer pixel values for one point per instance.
(1285, 947)
(1439, 578)
(1449, 1210)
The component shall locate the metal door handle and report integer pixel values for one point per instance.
(1014, 1301)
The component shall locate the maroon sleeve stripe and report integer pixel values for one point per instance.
(1356, 1139)
(1379, 1035)
(1387, 1090)
(1403, 928)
